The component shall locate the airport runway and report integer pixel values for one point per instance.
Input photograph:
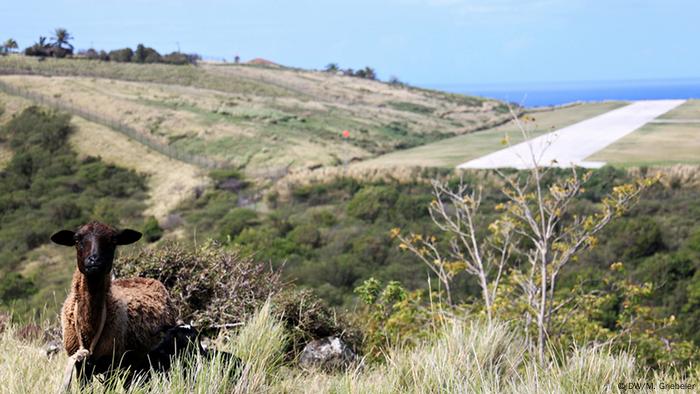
(572, 144)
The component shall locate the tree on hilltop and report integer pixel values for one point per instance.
(144, 54)
(61, 39)
(9, 45)
(369, 73)
(40, 48)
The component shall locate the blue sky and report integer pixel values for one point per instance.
(428, 42)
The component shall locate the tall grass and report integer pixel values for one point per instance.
(465, 357)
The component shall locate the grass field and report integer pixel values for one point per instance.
(453, 151)
(257, 117)
(659, 144)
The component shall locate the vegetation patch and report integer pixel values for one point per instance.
(47, 187)
(194, 277)
(410, 107)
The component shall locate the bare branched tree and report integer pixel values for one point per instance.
(536, 232)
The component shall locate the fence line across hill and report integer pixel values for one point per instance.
(165, 149)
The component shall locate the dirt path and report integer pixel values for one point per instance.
(571, 145)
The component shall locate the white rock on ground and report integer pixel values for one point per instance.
(572, 144)
(329, 353)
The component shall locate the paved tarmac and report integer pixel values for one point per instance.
(571, 145)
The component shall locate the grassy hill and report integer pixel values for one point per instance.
(453, 151)
(673, 138)
(252, 117)
(330, 228)
(169, 181)
(256, 117)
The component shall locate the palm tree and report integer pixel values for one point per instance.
(61, 38)
(9, 44)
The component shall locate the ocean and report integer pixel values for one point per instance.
(548, 94)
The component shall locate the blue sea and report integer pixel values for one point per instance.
(547, 94)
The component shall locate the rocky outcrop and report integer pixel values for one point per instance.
(328, 354)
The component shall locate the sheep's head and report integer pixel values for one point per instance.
(95, 244)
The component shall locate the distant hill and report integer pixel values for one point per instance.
(258, 61)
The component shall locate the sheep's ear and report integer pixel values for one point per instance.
(64, 237)
(128, 236)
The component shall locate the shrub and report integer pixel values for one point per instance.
(392, 316)
(14, 286)
(338, 190)
(90, 53)
(636, 237)
(306, 234)
(413, 207)
(146, 55)
(325, 218)
(223, 174)
(236, 221)
(210, 286)
(151, 230)
(602, 181)
(693, 242)
(266, 242)
(369, 202)
(121, 55)
(180, 58)
(307, 317)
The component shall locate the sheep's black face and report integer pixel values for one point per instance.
(95, 244)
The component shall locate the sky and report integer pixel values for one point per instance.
(423, 42)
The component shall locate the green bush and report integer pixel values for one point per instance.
(223, 174)
(635, 237)
(267, 243)
(602, 181)
(371, 201)
(413, 207)
(338, 190)
(325, 218)
(145, 55)
(151, 230)
(14, 286)
(392, 316)
(177, 58)
(121, 55)
(306, 234)
(236, 221)
(693, 242)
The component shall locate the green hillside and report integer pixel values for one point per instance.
(126, 146)
(255, 117)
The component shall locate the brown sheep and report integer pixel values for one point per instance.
(109, 320)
